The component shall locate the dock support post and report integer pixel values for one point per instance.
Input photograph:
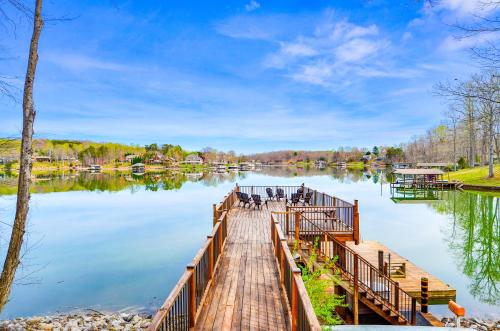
(413, 311)
(356, 223)
(396, 295)
(294, 304)
(192, 296)
(297, 226)
(381, 261)
(327, 256)
(424, 295)
(211, 257)
(355, 296)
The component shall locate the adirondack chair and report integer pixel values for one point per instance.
(307, 198)
(295, 198)
(280, 194)
(270, 194)
(257, 201)
(243, 197)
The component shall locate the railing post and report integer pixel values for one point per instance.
(413, 311)
(282, 261)
(287, 222)
(294, 304)
(215, 214)
(323, 198)
(192, 296)
(381, 261)
(355, 296)
(211, 256)
(424, 295)
(396, 296)
(297, 226)
(334, 202)
(326, 245)
(356, 223)
(219, 230)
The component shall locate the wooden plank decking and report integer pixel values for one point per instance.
(246, 293)
(438, 290)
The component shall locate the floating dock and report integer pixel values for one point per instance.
(439, 291)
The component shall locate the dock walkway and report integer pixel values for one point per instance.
(246, 293)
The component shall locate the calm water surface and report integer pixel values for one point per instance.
(114, 241)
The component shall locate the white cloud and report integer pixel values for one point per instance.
(453, 44)
(252, 5)
(298, 49)
(356, 50)
(79, 62)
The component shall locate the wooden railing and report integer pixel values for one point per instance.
(345, 213)
(179, 310)
(364, 276)
(225, 204)
(302, 313)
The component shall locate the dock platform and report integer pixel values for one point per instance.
(439, 291)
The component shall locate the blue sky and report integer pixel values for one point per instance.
(249, 75)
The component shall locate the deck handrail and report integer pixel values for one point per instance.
(360, 272)
(302, 313)
(180, 309)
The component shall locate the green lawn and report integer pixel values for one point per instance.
(356, 165)
(476, 176)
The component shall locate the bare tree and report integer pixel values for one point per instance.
(12, 258)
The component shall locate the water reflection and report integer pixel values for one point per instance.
(475, 240)
(131, 244)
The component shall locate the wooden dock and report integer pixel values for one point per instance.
(246, 293)
(439, 291)
(244, 277)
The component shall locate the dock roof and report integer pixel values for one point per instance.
(433, 164)
(418, 172)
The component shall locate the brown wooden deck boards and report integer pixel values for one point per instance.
(438, 290)
(246, 294)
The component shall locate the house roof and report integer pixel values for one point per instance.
(138, 165)
(418, 172)
(193, 157)
(432, 164)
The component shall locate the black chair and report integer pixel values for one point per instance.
(300, 191)
(295, 198)
(270, 194)
(257, 202)
(307, 198)
(280, 194)
(243, 197)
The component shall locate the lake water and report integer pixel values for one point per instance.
(115, 241)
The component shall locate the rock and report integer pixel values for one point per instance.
(126, 317)
(46, 326)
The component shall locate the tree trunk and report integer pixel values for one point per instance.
(18, 228)
(491, 144)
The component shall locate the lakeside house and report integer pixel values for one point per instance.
(7, 159)
(193, 159)
(401, 165)
(157, 158)
(95, 168)
(320, 164)
(433, 165)
(246, 166)
(130, 158)
(42, 158)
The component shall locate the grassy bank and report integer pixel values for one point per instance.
(356, 165)
(476, 176)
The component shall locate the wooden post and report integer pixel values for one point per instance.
(215, 214)
(282, 260)
(287, 222)
(413, 311)
(211, 257)
(356, 223)
(219, 230)
(424, 295)
(334, 202)
(323, 198)
(381, 261)
(191, 296)
(396, 296)
(294, 303)
(326, 246)
(297, 226)
(355, 296)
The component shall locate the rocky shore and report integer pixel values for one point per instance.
(79, 322)
(473, 323)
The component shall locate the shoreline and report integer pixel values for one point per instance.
(95, 320)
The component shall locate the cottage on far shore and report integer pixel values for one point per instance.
(193, 159)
